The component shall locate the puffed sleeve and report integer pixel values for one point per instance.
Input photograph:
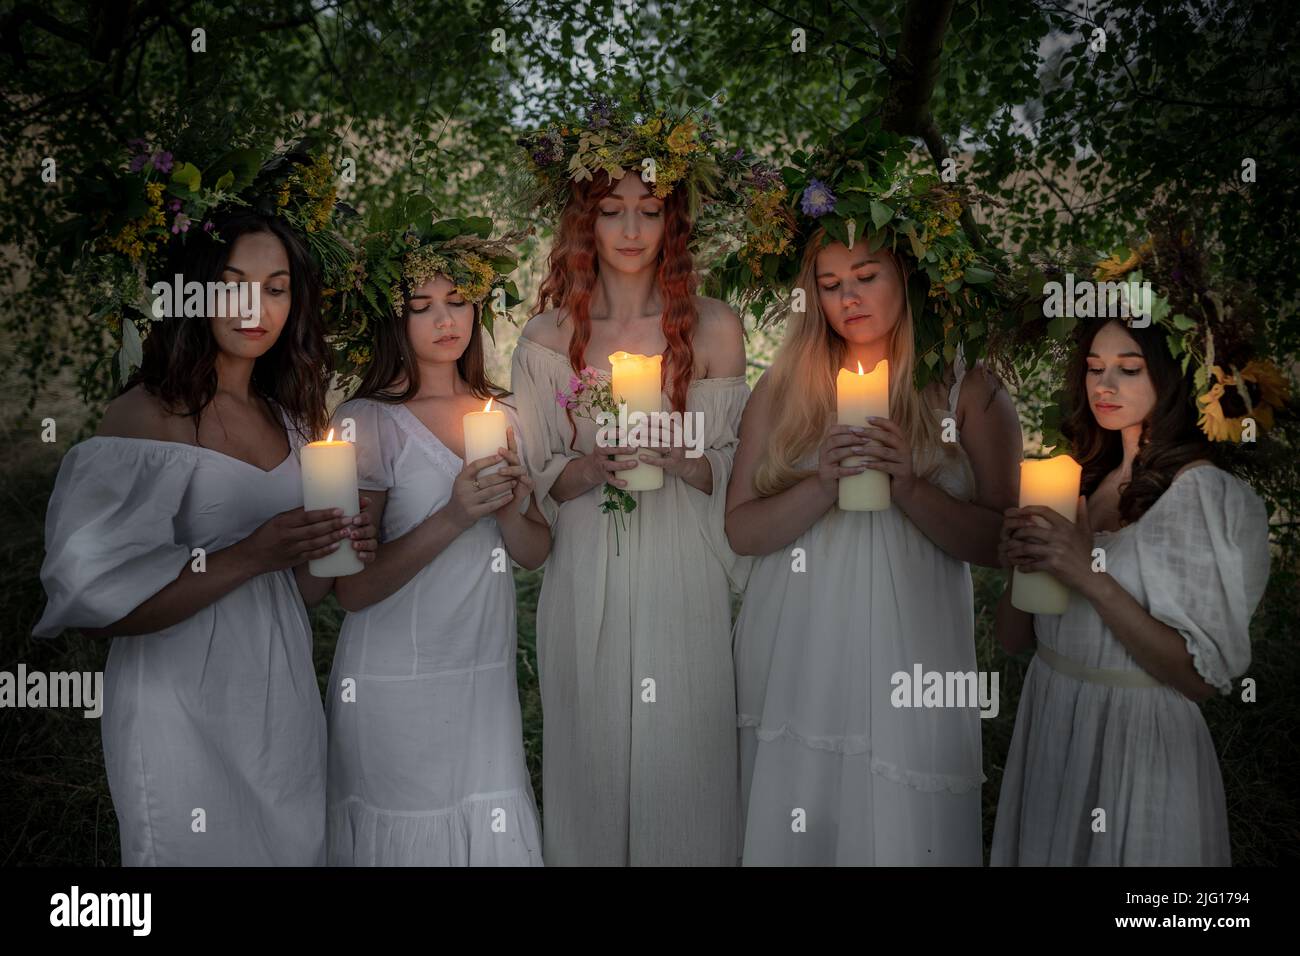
(377, 440)
(722, 402)
(110, 534)
(543, 443)
(1204, 562)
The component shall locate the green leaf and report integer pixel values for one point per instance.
(977, 275)
(187, 176)
(880, 214)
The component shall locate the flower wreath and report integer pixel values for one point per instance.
(397, 257)
(1215, 331)
(669, 149)
(857, 185)
(130, 219)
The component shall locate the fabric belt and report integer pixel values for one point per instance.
(1095, 675)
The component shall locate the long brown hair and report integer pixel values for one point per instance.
(573, 268)
(1170, 436)
(393, 361)
(180, 354)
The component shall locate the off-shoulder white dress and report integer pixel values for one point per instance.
(627, 781)
(1096, 732)
(213, 730)
(426, 752)
(831, 772)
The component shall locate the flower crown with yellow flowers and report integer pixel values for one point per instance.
(398, 257)
(668, 149)
(130, 221)
(856, 186)
(1216, 332)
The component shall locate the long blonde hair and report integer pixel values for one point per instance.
(802, 387)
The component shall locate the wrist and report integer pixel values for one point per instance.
(1096, 587)
(903, 490)
(247, 560)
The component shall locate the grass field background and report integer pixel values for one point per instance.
(55, 808)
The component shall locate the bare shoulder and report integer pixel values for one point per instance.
(719, 338)
(982, 392)
(138, 414)
(758, 407)
(548, 328)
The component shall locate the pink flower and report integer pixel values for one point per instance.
(561, 399)
(162, 161)
(575, 384)
(181, 223)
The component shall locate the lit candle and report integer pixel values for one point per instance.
(329, 480)
(1052, 483)
(860, 395)
(485, 432)
(637, 383)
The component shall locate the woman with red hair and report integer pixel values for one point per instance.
(634, 618)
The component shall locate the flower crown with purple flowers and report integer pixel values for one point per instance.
(857, 186)
(128, 221)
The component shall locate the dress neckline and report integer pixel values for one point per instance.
(424, 435)
(564, 359)
(210, 451)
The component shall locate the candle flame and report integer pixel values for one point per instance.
(860, 372)
(488, 406)
(331, 435)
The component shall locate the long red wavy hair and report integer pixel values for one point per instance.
(573, 268)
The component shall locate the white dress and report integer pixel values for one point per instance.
(635, 773)
(1198, 562)
(213, 730)
(816, 650)
(426, 758)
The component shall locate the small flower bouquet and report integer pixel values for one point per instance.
(588, 397)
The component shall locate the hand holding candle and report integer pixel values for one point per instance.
(859, 396)
(1052, 483)
(329, 480)
(637, 381)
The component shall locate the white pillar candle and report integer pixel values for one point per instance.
(860, 395)
(329, 480)
(485, 432)
(637, 383)
(1052, 483)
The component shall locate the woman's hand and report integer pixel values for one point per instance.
(1041, 540)
(600, 467)
(293, 537)
(523, 483)
(666, 451)
(474, 496)
(892, 454)
(364, 534)
(842, 441)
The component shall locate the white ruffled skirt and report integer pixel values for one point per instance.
(831, 772)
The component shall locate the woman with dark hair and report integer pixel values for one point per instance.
(178, 531)
(426, 756)
(634, 618)
(1111, 763)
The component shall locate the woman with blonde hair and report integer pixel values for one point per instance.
(844, 609)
